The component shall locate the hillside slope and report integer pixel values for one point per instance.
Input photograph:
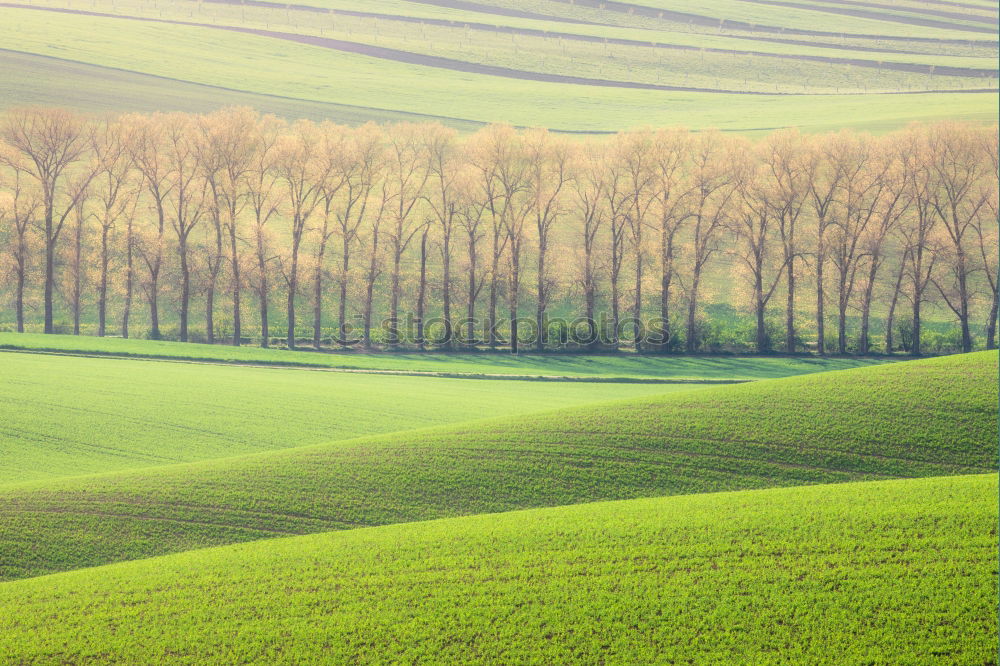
(900, 571)
(913, 419)
(67, 416)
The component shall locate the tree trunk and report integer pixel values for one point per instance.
(153, 296)
(102, 289)
(790, 308)
(666, 278)
(590, 298)
(470, 308)
(490, 324)
(515, 284)
(50, 250)
(77, 269)
(891, 316)
(19, 304)
(342, 304)
(540, 305)
(234, 258)
(129, 278)
(421, 293)
(866, 307)
(637, 308)
(761, 336)
(820, 302)
(185, 286)
(394, 299)
(262, 294)
(689, 343)
(446, 290)
(293, 287)
(991, 325)
(318, 295)
(963, 306)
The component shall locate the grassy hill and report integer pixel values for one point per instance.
(913, 419)
(66, 416)
(608, 367)
(860, 573)
(741, 66)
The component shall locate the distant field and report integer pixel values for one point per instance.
(911, 419)
(65, 416)
(903, 570)
(607, 367)
(756, 79)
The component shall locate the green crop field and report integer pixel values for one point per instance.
(893, 571)
(609, 367)
(919, 418)
(408, 500)
(140, 413)
(568, 68)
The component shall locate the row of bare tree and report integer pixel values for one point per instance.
(414, 219)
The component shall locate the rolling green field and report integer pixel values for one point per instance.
(608, 367)
(901, 571)
(913, 419)
(65, 416)
(764, 69)
(167, 502)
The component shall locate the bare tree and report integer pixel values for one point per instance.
(713, 185)
(409, 169)
(786, 156)
(263, 199)
(825, 169)
(443, 154)
(549, 172)
(44, 145)
(753, 223)
(299, 168)
(957, 165)
(18, 207)
(588, 187)
(670, 195)
(115, 193)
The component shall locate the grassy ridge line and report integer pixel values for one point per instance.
(305, 72)
(617, 367)
(850, 573)
(921, 418)
(398, 373)
(68, 416)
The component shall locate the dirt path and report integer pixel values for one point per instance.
(440, 62)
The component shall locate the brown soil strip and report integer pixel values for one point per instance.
(856, 62)
(410, 57)
(914, 10)
(502, 11)
(879, 16)
(698, 19)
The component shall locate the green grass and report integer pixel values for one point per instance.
(606, 367)
(33, 80)
(913, 419)
(322, 76)
(882, 572)
(65, 416)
